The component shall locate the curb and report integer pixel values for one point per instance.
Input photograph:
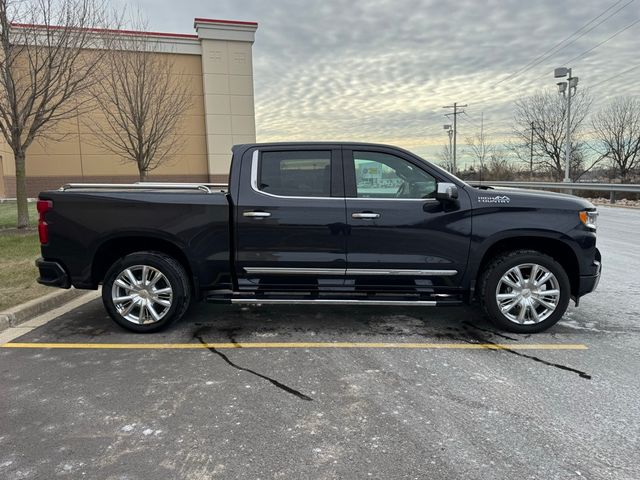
(26, 311)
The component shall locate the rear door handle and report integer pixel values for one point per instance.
(256, 214)
(365, 215)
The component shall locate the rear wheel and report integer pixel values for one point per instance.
(146, 291)
(524, 291)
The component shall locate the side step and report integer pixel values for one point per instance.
(330, 300)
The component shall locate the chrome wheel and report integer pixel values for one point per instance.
(527, 294)
(142, 294)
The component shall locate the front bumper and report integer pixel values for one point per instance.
(588, 283)
(52, 274)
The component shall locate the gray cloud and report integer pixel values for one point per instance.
(381, 70)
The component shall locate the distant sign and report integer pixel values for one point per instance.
(371, 172)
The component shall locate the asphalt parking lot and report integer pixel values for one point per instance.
(266, 392)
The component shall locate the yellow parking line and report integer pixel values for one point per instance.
(187, 346)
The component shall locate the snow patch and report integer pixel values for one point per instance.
(590, 326)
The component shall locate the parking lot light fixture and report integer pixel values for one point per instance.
(567, 89)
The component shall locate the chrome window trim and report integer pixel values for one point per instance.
(348, 271)
(254, 182)
(255, 159)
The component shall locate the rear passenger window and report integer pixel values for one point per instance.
(295, 174)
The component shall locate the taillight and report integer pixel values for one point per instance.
(43, 207)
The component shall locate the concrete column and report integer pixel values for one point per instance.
(227, 72)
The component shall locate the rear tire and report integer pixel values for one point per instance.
(145, 292)
(524, 291)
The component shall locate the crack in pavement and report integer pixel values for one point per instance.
(471, 325)
(481, 339)
(273, 381)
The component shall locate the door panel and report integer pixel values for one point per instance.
(407, 240)
(291, 220)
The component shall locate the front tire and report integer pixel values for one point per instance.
(524, 291)
(146, 292)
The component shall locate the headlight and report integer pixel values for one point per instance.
(589, 218)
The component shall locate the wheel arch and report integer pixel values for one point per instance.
(114, 248)
(553, 246)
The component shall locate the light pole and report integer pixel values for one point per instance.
(567, 89)
(450, 132)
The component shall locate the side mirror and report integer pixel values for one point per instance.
(446, 191)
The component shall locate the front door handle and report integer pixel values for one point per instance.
(365, 215)
(250, 213)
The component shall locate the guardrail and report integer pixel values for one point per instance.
(612, 188)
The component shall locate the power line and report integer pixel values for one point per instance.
(603, 42)
(491, 129)
(615, 76)
(622, 30)
(553, 50)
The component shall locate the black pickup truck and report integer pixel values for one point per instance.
(321, 223)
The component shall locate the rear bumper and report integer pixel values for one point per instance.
(52, 274)
(588, 283)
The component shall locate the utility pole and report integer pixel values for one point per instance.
(449, 130)
(483, 150)
(567, 147)
(566, 89)
(531, 158)
(455, 114)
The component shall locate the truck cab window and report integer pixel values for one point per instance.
(380, 175)
(295, 174)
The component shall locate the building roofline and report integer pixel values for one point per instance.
(110, 30)
(228, 22)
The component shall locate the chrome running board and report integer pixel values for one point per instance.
(333, 301)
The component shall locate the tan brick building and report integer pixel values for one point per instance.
(217, 63)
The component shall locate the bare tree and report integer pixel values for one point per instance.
(143, 100)
(44, 72)
(617, 130)
(444, 159)
(480, 149)
(545, 114)
(499, 167)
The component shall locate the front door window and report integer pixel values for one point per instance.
(380, 175)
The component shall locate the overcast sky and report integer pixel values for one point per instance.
(381, 70)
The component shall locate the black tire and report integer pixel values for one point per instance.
(499, 266)
(175, 277)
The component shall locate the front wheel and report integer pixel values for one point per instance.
(524, 291)
(146, 291)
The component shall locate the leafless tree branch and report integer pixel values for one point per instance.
(143, 101)
(617, 132)
(545, 113)
(50, 52)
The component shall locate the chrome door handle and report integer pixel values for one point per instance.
(256, 214)
(365, 215)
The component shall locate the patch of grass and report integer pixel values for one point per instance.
(18, 273)
(9, 215)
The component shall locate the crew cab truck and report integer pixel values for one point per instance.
(321, 223)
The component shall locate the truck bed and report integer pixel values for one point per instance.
(95, 221)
